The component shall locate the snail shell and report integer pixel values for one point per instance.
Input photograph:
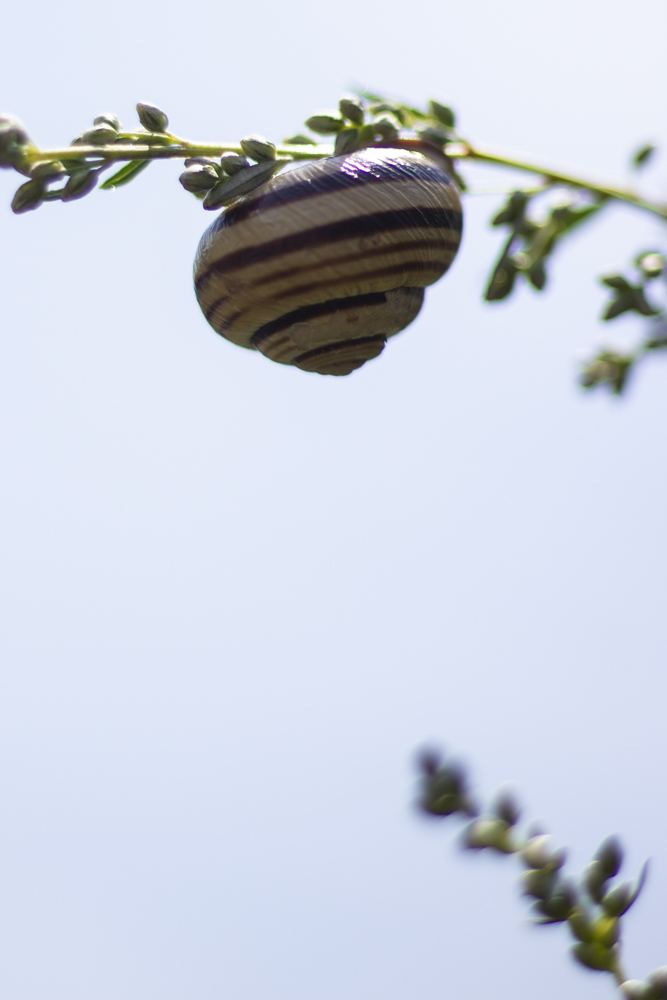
(319, 266)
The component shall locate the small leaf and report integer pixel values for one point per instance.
(643, 155)
(443, 114)
(126, 174)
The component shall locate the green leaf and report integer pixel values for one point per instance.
(616, 281)
(643, 155)
(502, 280)
(443, 114)
(125, 174)
(624, 303)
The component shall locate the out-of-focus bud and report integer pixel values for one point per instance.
(538, 853)
(594, 956)
(443, 790)
(657, 983)
(434, 134)
(652, 264)
(300, 140)
(352, 109)
(258, 148)
(607, 931)
(233, 162)
(47, 170)
(27, 197)
(609, 856)
(444, 114)
(581, 925)
(245, 181)
(152, 118)
(493, 833)
(13, 139)
(346, 141)
(113, 121)
(618, 900)
(326, 122)
(634, 989)
(199, 178)
(538, 882)
(560, 904)
(387, 126)
(594, 879)
(506, 807)
(80, 184)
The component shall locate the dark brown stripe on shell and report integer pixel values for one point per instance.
(322, 352)
(373, 172)
(360, 225)
(305, 313)
(446, 245)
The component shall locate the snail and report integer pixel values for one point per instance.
(319, 266)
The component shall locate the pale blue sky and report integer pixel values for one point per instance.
(235, 597)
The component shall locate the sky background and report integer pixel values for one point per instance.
(235, 598)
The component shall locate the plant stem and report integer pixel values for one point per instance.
(465, 151)
(145, 152)
(182, 149)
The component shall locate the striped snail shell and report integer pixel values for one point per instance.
(320, 265)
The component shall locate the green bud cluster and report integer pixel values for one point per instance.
(219, 183)
(592, 908)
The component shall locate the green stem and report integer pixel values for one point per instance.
(465, 151)
(145, 152)
(182, 149)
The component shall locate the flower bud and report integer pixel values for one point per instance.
(594, 879)
(47, 170)
(618, 900)
(607, 931)
(346, 141)
(352, 109)
(434, 134)
(204, 161)
(581, 926)
(492, 833)
(152, 118)
(609, 856)
(81, 183)
(245, 181)
(233, 162)
(13, 137)
(657, 982)
(507, 808)
(98, 135)
(594, 956)
(326, 122)
(27, 197)
(538, 882)
(387, 126)
(561, 902)
(199, 178)
(537, 853)
(258, 148)
(300, 140)
(634, 989)
(113, 121)
(652, 264)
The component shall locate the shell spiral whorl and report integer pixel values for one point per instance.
(323, 263)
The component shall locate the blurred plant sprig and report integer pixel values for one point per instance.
(219, 173)
(592, 906)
